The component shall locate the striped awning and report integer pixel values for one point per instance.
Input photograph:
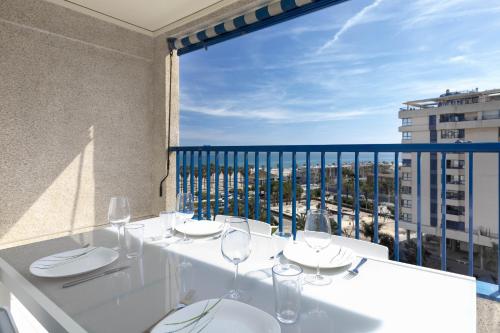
(260, 18)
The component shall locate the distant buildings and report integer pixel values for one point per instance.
(466, 116)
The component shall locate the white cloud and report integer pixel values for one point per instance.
(351, 22)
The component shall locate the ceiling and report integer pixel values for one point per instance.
(150, 17)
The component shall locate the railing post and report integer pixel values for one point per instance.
(498, 247)
(191, 173)
(184, 180)
(226, 189)
(246, 182)
(396, 206)
(256, 206)
(235, 185)
(200, 185)
(308, 181)
(323, 185)
(216, 194)
(471, 214)
(339, 194)
(268, 187)
(419, 210)
(294, 196)
(208, 175)
(375, 198)
(280, 183)
(177, 172)
(443, 211)
(356, 194)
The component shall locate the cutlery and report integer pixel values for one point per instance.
(185, 301)
(95, 276)
(59, 257)
(353, 272)
(62, 261)
(335, 256)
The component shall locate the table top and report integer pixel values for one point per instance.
(385, 297)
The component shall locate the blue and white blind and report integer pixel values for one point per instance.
(257, 19)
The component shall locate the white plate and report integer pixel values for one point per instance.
(96, 258)
(226, 316)
(199, 228)
(333, 256)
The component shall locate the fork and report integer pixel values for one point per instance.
(63, 261)
(185, 301)
(353, 272)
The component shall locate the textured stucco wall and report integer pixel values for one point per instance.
(82, 118)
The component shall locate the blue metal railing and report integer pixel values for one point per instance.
(472, 149)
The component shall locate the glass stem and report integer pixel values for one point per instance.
(317, 267)
(119, 227)
(235, 277)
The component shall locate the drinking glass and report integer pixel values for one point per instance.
(167, 220)
(287, 285)
(185, 210)
(118, 215)
(279, 240)
(317, 234)
(235, 248)
(134, 239)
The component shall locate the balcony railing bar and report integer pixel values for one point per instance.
(375, 197)
(226, 185)
(396, 206)
(246, 183)
(217, 171)
(280, 183)
(235, 185)
(339, 194)
(208, 176)
(471, 220)
(294, 190)
(470, 148)
(191, 174)
(256, 188)
(200, 185)
(419, 209)
(443, 211)
(356, 194)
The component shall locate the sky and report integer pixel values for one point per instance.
(339, 75)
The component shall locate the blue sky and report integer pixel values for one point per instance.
(338, 75)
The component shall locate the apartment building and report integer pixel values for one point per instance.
(452, 117)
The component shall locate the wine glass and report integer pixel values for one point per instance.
(235, 248)
(317, 234)
(185, 210)
(118, 215)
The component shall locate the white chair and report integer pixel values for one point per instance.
(361, 247)
(256, 227)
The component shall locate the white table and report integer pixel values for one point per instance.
(385, 297)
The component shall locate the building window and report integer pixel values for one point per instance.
(405, 189)
(491, 115)
(455, 195)
(407, 162)
(455, 210)
(406, 217)
(406, 135)
(406, 176)
(406, 121)
(455, 164)
(406, 203)
(451, 117)
(454, 225)
(453, 134)
(455, 180)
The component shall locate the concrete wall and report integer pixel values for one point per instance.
(82, 115)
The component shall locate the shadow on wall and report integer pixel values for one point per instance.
(76, 129)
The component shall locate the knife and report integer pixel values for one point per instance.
(95, 276)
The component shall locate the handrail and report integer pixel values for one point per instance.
(276, 196)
